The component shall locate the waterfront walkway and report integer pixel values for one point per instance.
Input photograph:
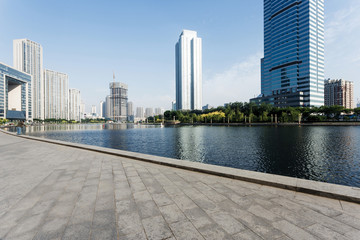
(49, 191)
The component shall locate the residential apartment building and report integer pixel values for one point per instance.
(339, 92)
(56, 95)
(140, 113)
(75, 105)
(28, 58)
(149, 112)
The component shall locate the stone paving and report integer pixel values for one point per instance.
(50, 191)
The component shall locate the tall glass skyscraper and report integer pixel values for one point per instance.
(28, 57)
(292, 70)
(188, 62)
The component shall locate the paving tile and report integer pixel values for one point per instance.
(198, 217)
(183, 202)
(246, 235)
(349, 220)
(156, 228)
(227, 222)
(300, 221)
(142, 196)
(77, 231)
(26, 225)
(87, 195)
(162, 199)
(214, 231)
(184, 230)
(172, 213)
(324, 232)
(293, 231)
(148, 209)
(52, 229)
(129, 224)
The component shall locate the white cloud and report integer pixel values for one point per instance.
(342, 52)
(240, 82)
(342, 22)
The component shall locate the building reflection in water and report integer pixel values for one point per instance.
(330, 154)
(316, 153)
(189, 143)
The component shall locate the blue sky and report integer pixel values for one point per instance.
(89, 40)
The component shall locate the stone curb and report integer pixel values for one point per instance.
(334, 191)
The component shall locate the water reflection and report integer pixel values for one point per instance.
(189, 143)
(329, 154)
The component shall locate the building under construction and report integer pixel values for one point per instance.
(117, 102)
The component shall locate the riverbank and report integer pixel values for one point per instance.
(100, 193)
(271, 124)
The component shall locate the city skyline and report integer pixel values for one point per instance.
(232, 47)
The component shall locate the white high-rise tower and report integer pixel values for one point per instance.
(188, 62)
(28, 57)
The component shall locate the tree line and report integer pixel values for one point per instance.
(239, 112)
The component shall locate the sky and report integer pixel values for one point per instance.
(91, 39)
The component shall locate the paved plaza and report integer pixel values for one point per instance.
(50, 191)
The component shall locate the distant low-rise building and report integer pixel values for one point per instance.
(339, 92)
(159, 111)
(207, 106)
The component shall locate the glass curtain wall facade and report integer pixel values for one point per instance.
(56, 95)
(294, 50)
(118, 101)
(28, 57)
(188, 64)
(15, 92)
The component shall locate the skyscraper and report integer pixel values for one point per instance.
(101, 109)
(130, 112)
(118, 101)
(74, 104)
(93, 110)
(149, 112)
(140, 113)
(188, 64)
(292, 70)
(56, 95)
(28, 57)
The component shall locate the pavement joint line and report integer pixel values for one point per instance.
(333, 191)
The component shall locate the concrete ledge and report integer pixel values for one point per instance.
(334, 191)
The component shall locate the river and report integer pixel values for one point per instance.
(322, 153)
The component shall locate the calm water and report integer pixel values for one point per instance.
(324, 153)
